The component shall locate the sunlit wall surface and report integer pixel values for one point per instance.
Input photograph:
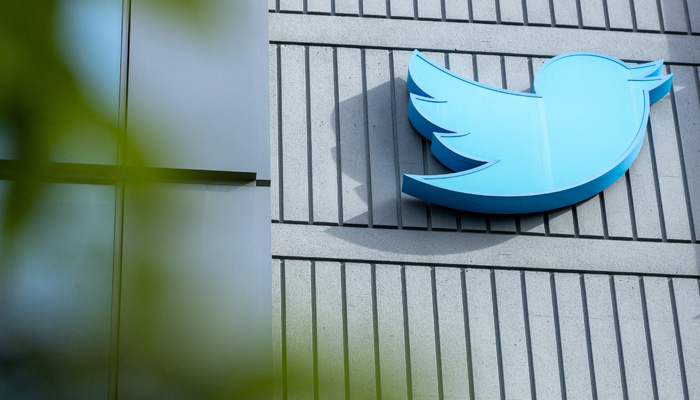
(381, 295)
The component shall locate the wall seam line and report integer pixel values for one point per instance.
(686, 11)
(450, 50)
(662, 27)
(618, 337)
(283, 323)
(406, 334)
(309, 142)
(314, 330)
(436, 327)
(338, 153)
(630, 203)
(497, 333)
(344, 312)
(603, 215)
(368, 160)
(375, 332)
(557, 335)
(606, 15)
(467, 333)
(280, 145)
(677, 334)
(633, 15)
(647, 333)
(488, 267)
(587, 329)
(657, 185)
(528, 335)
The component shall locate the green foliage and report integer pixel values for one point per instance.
(42, 102)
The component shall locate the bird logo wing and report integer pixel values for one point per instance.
(464, 119)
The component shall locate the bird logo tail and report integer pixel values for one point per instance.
(648, 77)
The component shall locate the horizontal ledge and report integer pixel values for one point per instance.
(111, 174)
(484, 250)
(480, 38)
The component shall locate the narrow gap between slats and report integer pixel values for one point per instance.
(662, 28)
(587, 328)
(496, 324)
(314, 329)
(647, 333)
(552, 16)
(283, 324)
(557, 334)
(375, 327)
(633, 13)
(436, 325)
(406, 334)
(574, 215)
(339, 171)
(606, 15)
(280, 169)
(344, 312)
(309, 162)
(528, 337)
(547, 231)
(618, 338)
(657, 186)
(504, 80)
(365, 116)
(679, 341)
(686, 11)
(604, 215)
(579, 14)
(467, 333)
(630, 201)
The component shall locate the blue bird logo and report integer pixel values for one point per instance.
(575, 135)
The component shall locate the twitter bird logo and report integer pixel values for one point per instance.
(576, 134)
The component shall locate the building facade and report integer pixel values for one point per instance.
(376, 294)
